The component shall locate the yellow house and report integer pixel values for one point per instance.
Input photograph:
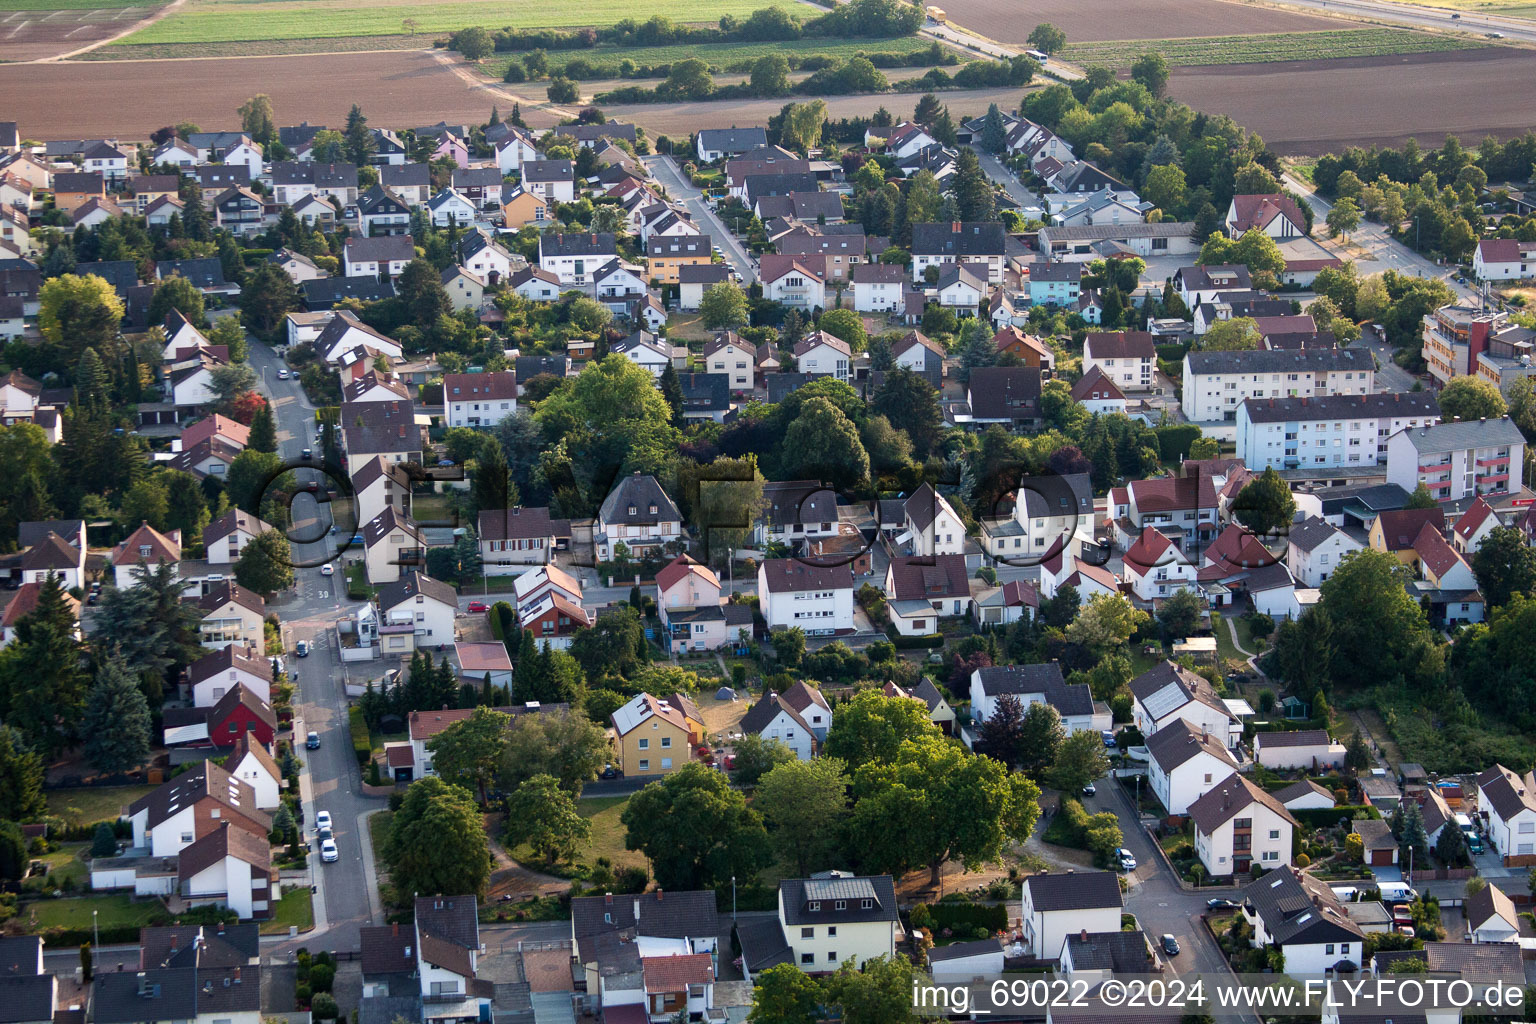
(665, 254)
(1396, 531)
(523, 208)
(654, 737)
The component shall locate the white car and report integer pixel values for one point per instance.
(327, 569)
(328, 851)
(1126, 858)
(282, 374)
(323, 819)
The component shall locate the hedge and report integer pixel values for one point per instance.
(55, 938)
(362, 744)
(1327, 817)
(1174, 441)
(912, 643)
(968, 916)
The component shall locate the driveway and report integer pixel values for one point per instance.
(665, 170)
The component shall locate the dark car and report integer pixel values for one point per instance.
(312, 742)
(1219, 904)
(301, 648)
(610, 772)
(1170, 945)
(1090, 789)
(309, 453)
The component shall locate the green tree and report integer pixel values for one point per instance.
(802, 125)
(1413, 837)
(359, 138)
(21, 778)
(994, 131)
(934, 802)
(1107, 621)
(878, 991)
(248, 477)
(726, 497)
(266, 564)
(1504, 565)
(1165, 188)
(566, 745)
(1421, 499)
(13, 852)
(77, 313)
(544, 816)
(1471, 398)
(688, 79)
(1179, 616)
(437, 842)
(695, 829)
(474, 43)
(1079, 760)
(563, 90)
(804, 804)
(116, 724)
(613, 645)
(973, 190)
(176, 292)
(770, 76)
(1343, 218)
(1265, 505)
(908, 399)
(755, 756)
(42, 686)
(263, 430)
(1047, 38)
(469, 753)
(823, 442)
(870, 727)
(257, 119)
(1357, 755)
(847, 325)
(1380, 632)
(1151, 70)
(1239, 334)
(783, 994)
(420, 289)
(1254, 250)
(147, 501)
(788, 645)
(1040, 737)
(104, 841)
(266, 297)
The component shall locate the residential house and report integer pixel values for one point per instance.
(727, 354)
(1458, 460)
(1237, 824)
(922, 355)
(466, 290)
(1308, 749)
(380, 211)
(383, 256)
(392, 547)
(824, 355)
(665, 254)
(216, 673)
(1169, 693)
(146, 547)
(925, 588)
(1276, 214)
(479, 399)
(536, 284)
(254, 765)
(878, 287)
(1055, 284)
(1128, 358)
(231, 614)
(617, 284)
(573, 258)
(1503, 259)
(715, 144)
(415, 611)
(1171, 505)
(1098, 394)
(654, 737)
(638, 514)
(815, 598)
(1299, 915)
(552, 180)
(1186, 764)
(1051, 515)
(935, 245)
(834, 917)
(930, 525)
(373, 387)
(1314, 549)
(799, 282)
(1055, 905)
(73, 189)
(296, 265)
(1216, 383)
(24, 603)
(483, 662)
(387, 429)
(513, 540)
(647, 351)
(961, 287)
(379, 484)
(482, 255)
(692, 613)
(1155, 567)
(1507, 803)
(192, 806)
(1036, 684)
(706, 396)
(1307, 795)
(296, 180)
(1007, 395)
(53, 555)
(800, 718)
(515, 149)
(521, 208)
(410, 181)
(1491, 916)
(794, 510)
(1031, 351)
(553, 619)
(1333, 430)
(1199, 284)
(694, 279)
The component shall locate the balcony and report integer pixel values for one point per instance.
(1493, 478)
(1494, 460)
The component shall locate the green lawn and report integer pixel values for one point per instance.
(378, 830)
(293, 909)
(1327, 45)
(721, 57)
(219, 21)
(64, 863)
(90, 804)
(608, 831)
(114, 910)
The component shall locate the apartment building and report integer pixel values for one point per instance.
(1334, 430)
(1216, 383)
(1459, 459)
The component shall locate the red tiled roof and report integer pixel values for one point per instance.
(1438, 557)
(676, 973)
(1255, 211)
(919, 578)
(679, 569)
(1473, 518)
(1094, 385)
(1499, 250)
(1120, 345)
(1401, 527)
(1173, 493)
(162, 547)
(25, 601)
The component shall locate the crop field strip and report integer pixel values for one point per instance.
(1264, 49)
(1500, 8)
(226, 21)
(721, 57)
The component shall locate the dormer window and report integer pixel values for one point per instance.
(842, 904)
(144, 550)
(632, 510)
(865, 904)
(814, 905)
(653, 508)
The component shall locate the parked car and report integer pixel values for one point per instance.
(478, 606)
(323, 819)
(282, 374)
(1474, 841)
(1170, 945)
(308, 454)
(328, 851)
(1126, 859)
(1109, 739)
(1219, 904)
(327, 569)
(610, 772)
(1090, 789)
(301, 648)
(1402, 915)
(312, 741)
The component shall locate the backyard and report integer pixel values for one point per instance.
(89, 804)
(112, 910)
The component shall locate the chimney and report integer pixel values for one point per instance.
(1083, 935)
(637, 911)
(607, 899)
(955, 227)
(658, 895)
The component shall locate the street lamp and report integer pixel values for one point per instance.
(95, 941)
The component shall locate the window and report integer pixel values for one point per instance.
(842, 905)
(807, 958)
(1344, 949)
(807, 933)
(832, 932)
(1328, 949)
(865, 904)
(645, 743)
(666, 741)
(186, 837)
(1274, 833)
(645, 765)
(814, 905)
(666, 763)
(831, 956)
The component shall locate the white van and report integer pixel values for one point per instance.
(1346, 893)
(1397, 892)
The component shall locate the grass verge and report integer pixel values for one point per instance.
(1261, 49)
(293, 910)
(722, 58)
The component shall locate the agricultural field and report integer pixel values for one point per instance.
(721, 57)
(228, 21)
(33, 29)
(1280, 46)
(1092, 20)
(1498, 8)
(1425, 96)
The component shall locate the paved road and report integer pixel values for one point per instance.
(665, 170)
(331, 782)
(1475, 23)
(1000, 174)
(954, 35)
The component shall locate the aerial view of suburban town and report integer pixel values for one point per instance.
(767, 512)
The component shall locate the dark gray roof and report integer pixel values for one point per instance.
(663, 915)
(1056, 272)
(703, 273)
(381, 199)
(760, 185)
(1178, 742)
(27, 998)
(405, 175)
(380, 248)
(204, 271)
(295, 135)
(1019, 680)
(1481, 961)
(815, 900)
(640, 491)
(529, 367)
(217, 177)
(412, 583)
(1307, 360)
(1201, 277)
(120, 274)
(1297, 738)
(960, 950)
(786, 502)
(1005, 392)
(705, 392)
(374, 428)
(1297, 908)
(973, 238)
(781, 385)
(20, 954)
(449, 918)
(1328, 407)
(1450, 437)
(733, 140)
(763, 944)
(1122, 952)
(1075, 890)
(327, 291)
(296, 172)
(547, 170)
(154, 995)
(1311, 532)
(1056, 495)
(594, 244)
(678, 245)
